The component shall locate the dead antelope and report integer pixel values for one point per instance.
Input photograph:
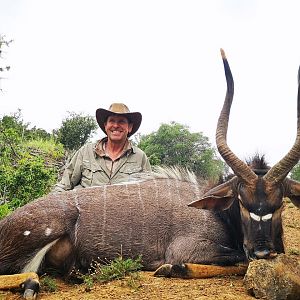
(236, 221)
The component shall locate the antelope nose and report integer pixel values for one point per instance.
(259, 254)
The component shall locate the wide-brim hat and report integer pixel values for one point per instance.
(119, 109)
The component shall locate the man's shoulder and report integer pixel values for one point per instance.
(89, 146)
(137, 150)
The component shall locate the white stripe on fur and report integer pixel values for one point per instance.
(35, 262)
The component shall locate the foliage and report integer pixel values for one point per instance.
(295, 173)
(174, 144)
(3, 43)
(54, 150)
(31, 179)
(15, 126)
(118, 268)
(28, 166)
(4, 210)
(88, 281)
(76, 130)
(48, 284)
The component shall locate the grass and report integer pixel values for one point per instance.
(294, 251)
(48, 146)
(119, 268)
(48, 284)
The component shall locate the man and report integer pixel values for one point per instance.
(112, 159)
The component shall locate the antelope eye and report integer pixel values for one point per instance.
(255, 217)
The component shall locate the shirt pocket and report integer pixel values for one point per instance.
(130, 168)
(97, 176)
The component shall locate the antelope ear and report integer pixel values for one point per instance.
(292, 191)
(219, 198)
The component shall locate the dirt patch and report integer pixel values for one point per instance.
(149, 287)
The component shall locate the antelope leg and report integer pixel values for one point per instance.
(28, 281)
(199, 271)
(15, 280)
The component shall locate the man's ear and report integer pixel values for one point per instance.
(220, 197)
(130, 126)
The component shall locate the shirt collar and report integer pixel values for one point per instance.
(99, 148)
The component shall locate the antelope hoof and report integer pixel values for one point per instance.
(163, 271)
(31, 288)
(168, 270)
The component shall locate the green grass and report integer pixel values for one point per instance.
(48, 146)
(119, 268)
(294, 251)
(48, 284)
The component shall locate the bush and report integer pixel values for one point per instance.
(48, 284)
(173, 144)
(28, 170)
(30, 180)
(118, 268)
(76, 130)
(29, 162)
(4, 210)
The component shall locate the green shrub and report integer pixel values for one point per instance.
(28, 171)
(48, 284)
(30, 160)
(31, 179)
(117, 269)
(4, 210)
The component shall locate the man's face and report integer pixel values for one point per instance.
(117, 128)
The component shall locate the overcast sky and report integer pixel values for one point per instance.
(160, 57)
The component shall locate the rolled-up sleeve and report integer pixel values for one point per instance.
(146, 164)
(72, 174)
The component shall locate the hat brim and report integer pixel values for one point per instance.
(133, 117)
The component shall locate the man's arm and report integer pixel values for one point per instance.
(146, 164)
(72, 174)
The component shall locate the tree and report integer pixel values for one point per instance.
(3, 42)
(174, 144)
(295, 172)
(14, 122)
(76, 130)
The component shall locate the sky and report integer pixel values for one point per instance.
(161, 58)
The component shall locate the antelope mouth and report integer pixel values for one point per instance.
(260, 254)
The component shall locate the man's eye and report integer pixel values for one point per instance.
(120, 122)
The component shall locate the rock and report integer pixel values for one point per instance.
(274, 279)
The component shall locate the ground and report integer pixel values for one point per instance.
(149, 287)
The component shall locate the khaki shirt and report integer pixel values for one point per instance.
(90, 166)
